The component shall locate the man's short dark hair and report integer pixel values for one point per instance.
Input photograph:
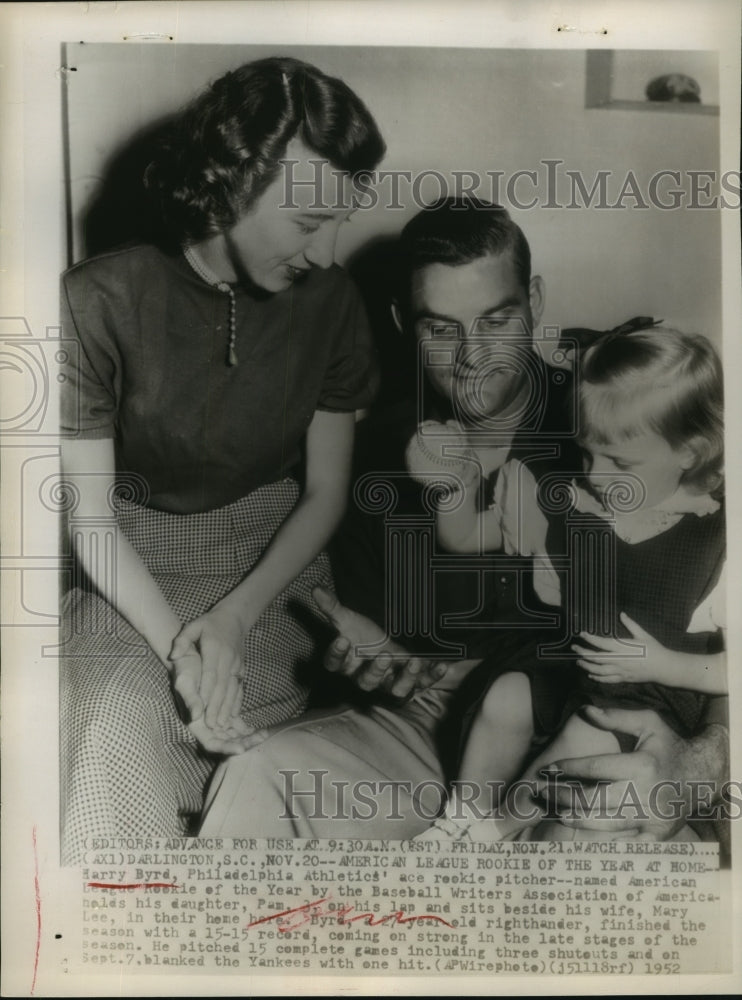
(457, 231)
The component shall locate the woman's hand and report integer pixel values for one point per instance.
(228, 741)
(609, 664)
(235, 736)
(211, 688)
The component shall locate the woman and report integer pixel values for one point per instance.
(207, 369)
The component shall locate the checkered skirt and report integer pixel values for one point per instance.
(129, 765)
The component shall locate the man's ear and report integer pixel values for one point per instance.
(536, 298)
(397, 315)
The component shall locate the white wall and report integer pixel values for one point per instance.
(478, 110)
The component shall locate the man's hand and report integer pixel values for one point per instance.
(649, 791)
(390, 668)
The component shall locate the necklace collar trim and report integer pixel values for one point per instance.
(207, 275)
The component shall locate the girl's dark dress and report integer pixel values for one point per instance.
(658, 583)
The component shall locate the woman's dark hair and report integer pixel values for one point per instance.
(224, 149)
(457, 231)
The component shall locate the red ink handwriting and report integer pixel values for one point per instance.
(298, 916)
(133, 885)
(37, 893)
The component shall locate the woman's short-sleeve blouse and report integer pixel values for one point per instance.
(151, 372)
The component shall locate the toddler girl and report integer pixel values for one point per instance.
(637, 564)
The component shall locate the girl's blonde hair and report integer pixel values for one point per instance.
(661, 380)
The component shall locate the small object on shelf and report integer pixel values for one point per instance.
(674, 87)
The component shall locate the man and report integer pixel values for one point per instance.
(430, 621)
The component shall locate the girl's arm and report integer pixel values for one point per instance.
(218, 634)
(119, 574)
(707, 674)
(609, 663)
